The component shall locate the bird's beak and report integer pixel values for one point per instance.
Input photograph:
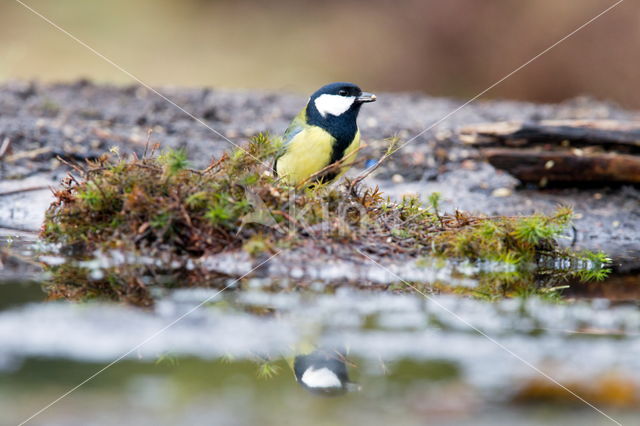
(366, 97)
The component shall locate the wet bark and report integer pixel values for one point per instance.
(561, 152)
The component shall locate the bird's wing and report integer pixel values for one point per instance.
(297, 125)
(306, 153)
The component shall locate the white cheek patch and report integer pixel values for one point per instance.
(333, 104)
(321, 378)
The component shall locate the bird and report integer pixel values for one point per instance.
(323, 133)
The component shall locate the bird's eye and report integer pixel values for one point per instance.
(342, 92)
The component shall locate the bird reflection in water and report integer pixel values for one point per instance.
(324, 372)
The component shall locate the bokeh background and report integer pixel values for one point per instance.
(450, 48)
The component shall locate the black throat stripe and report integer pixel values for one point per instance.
(343, 128)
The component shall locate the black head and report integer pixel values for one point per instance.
(335, 108)
(339, 98)
(339, 88)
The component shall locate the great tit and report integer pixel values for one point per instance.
(324, 132)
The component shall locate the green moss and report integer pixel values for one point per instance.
(174, 161)
(159, 206)
(256, 245)
(268, 369)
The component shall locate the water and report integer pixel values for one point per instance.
(202, 356)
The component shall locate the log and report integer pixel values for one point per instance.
(610, 134)
(565, 167)
(561, 152)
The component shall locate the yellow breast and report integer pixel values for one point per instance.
(308, 153)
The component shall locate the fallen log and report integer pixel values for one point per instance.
(561, 152)
(611, 134)
(564, 167)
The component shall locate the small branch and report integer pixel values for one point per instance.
(154, 148)
(21, 190)
(333, 166)
(75, 167)
(145, 166)
(146, 146)
(367, 173)
(6, 143)
(28, 154)
(215, 163)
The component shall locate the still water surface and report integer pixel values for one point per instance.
(277, 353)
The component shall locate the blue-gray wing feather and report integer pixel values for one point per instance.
(291, 132)
(297, 125)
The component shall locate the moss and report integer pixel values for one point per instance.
(159, 206)
(268, 369)
(174, 161)
(256, 245)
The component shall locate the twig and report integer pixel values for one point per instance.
(215, 163)
(6, 143)
(70, 176)
(146, 146)
(337, 165)
(28, 154)
(146, 166)
(154, 148)
(73, 166)
(367, 173)
(21, 190)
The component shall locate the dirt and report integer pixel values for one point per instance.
(82, 120)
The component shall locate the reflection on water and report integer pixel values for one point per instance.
(267, 343)
(138, 280)
(198, 392)
(15, 293)
(324, 372)
(379, 328)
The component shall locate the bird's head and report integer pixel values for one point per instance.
(338, 99)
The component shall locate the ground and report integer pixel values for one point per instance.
(82, 120)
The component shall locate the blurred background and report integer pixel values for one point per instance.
(450, 48)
